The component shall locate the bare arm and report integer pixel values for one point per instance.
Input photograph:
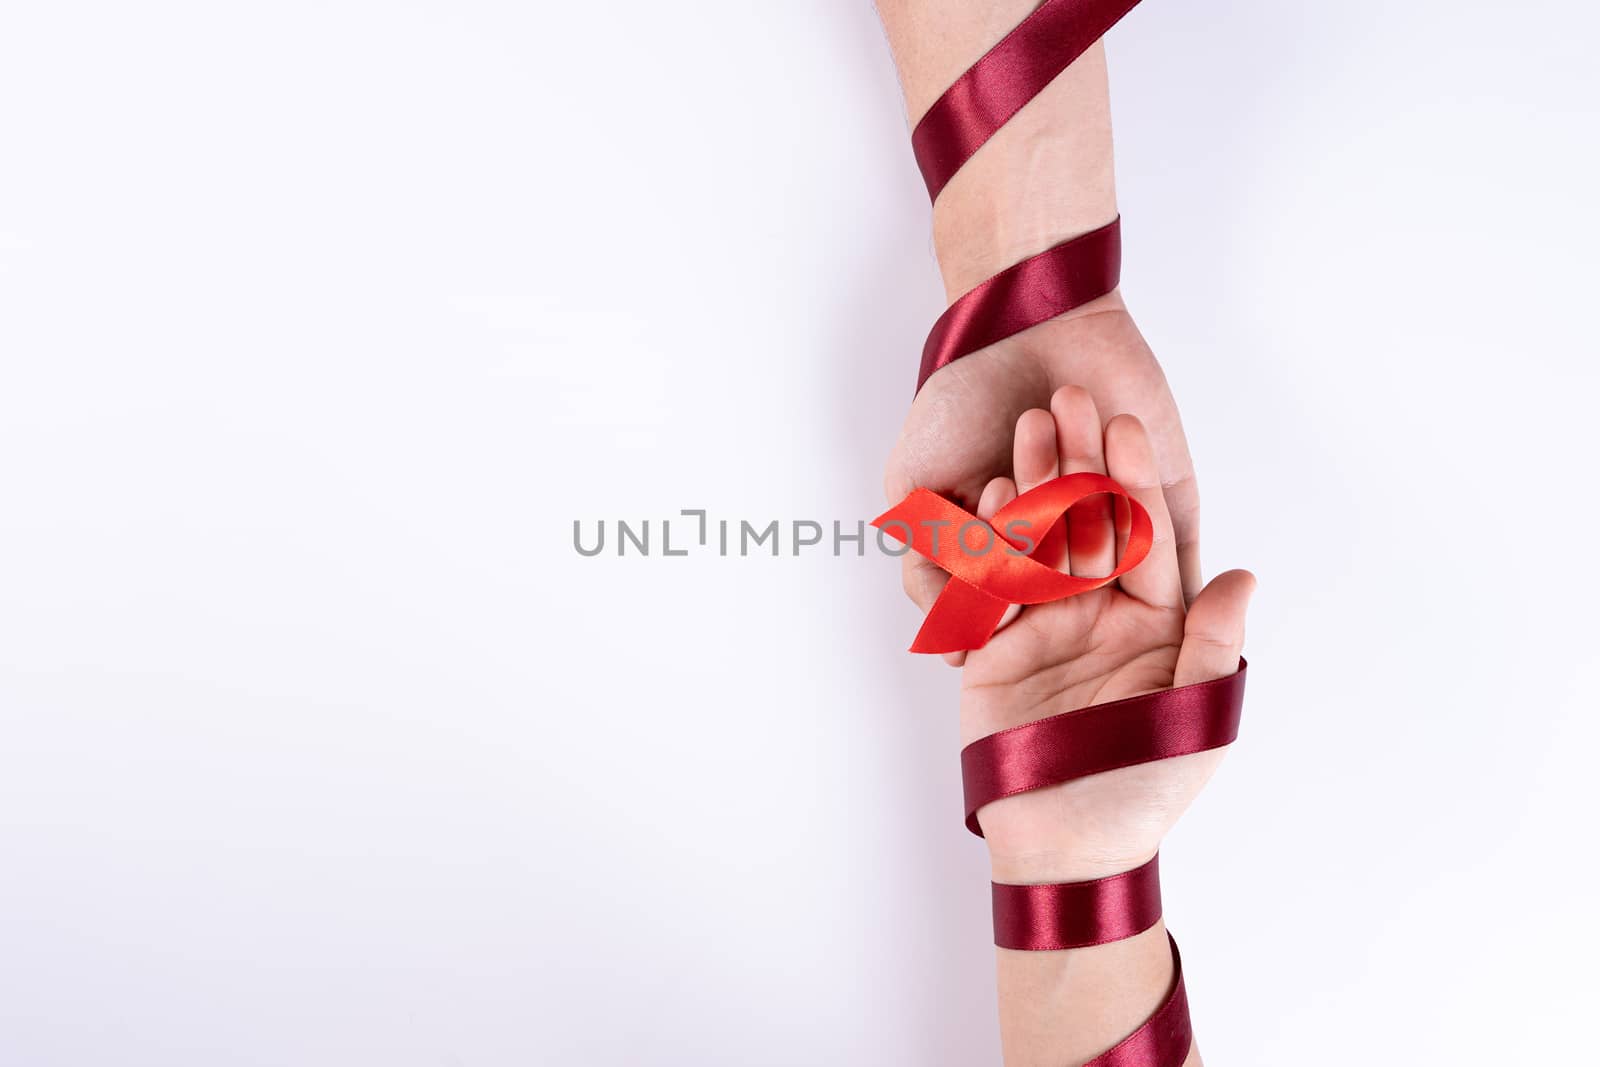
(1046, 176)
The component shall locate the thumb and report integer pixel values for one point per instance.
(1213, 632)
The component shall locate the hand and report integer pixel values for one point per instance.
(1131, 637)
(958, 432)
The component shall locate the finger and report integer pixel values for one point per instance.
(1033, 460)
(996, 495)
(922, 579)
(1033, 456)
(1213, 632)
(1131, 462)
(1183, 504)
(1091, 534)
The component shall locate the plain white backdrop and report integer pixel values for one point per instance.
(321, 323)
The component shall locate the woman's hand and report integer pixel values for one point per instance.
(957, 435)
(1133, 636)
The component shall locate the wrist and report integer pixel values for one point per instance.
(1048, 865)
(1046, 177)
(1068, 834)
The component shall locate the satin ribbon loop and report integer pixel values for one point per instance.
(1062, 915)
(1054, 282)
(1000, 569)
(1099, 738)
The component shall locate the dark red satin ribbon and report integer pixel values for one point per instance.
(1010, 74)
(971, 111)
(1102, 737)
(1011, 562)
(1165, 1038)
(1062, 748)
(1036, 290)
(1076, 744)
(1047, 918)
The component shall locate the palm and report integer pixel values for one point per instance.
(957, 435)
(1131, 637)
(1069, 654)
(1084, 650)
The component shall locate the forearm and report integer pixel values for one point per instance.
(1047, 175)
(1068, 1007)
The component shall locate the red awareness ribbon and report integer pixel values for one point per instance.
(1009, 561)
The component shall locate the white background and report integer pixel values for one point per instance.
(322, 322)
